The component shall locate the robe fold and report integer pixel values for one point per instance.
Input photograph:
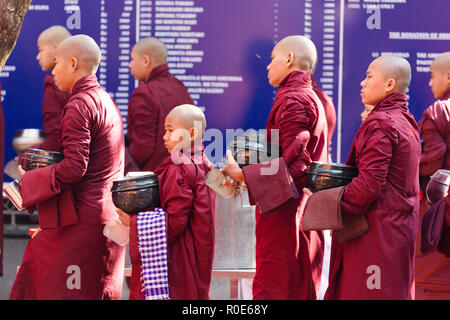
(380, 263)
(432, 269)
(71, 258)
(190, 208)
(148, 107)
(52, 106)
(330, 110)
(288, 260)
(2, 160)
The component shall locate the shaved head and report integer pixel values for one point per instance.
(440, 76)
(153, 48)
(396, 68)
(303, 50)
(84, 49)
(189, 116)
(442, 62)
(54, 35)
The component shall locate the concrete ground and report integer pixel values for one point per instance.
(14, 248)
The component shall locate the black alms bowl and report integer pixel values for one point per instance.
(36, 158)
(321, 175)
(135, 194)
(246, 151)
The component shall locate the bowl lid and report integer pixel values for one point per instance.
(30, 133)
(133, 183)
(335, 170)
(44, 152)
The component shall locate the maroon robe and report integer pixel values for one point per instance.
(330, 110)
(2, 157)
(432, 269)
(288, 259)
(52, 105)
(380, 263)
(148, 107)
(71, 258)
(434, 127)
(190, 209)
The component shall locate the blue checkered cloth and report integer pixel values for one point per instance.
(152, 237)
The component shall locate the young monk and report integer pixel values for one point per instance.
(157, 93)
(189, 205)
(285, 269)
(379, 264)
(54, 99)
(433, 269)
(69, 258)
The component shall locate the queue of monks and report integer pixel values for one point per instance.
(70, 258)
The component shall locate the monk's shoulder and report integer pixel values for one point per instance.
(79, 103)
(177, 169)
(437, 109)
(383, 121)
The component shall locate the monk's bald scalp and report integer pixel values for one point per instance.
(303, 49)
(442, 62)
(189, 116)
(153, 48)
(396, 68)
(54, 35)
(84, 49)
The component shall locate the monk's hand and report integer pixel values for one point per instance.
(307, 192)
(21, 171)
(123, 217)
(36, 232)
(232, 169)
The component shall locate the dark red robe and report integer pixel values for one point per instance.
(432, 269)
(52, 105)
(380, 263)
(190, 207)
(330, 110)
(2, 156)
(71, 258)
(288, 259)
(148, 107)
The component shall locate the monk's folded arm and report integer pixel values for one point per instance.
(75, 141)
(373, 166)
(294, 136)
(142, 125)
(434, 147)
(178, 202)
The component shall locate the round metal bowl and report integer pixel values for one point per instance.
(246, 151)
(36, 158)
(135, 194)
(25, 138)
(438, 185)
(321, 175)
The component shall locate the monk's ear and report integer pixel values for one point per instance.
(74, 62)
(391, 84)
(290, 59)
(194, 133)
(147, 60)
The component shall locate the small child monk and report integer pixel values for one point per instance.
(54, 99)
(189, 206)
